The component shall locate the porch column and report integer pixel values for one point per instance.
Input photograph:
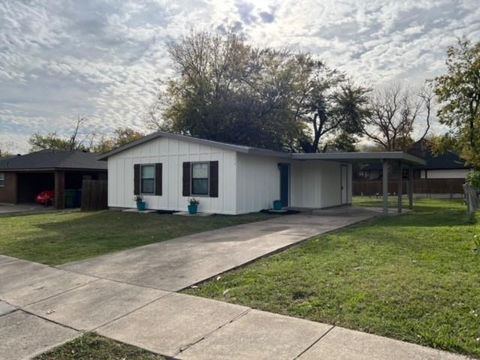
(410, 187)
(400, 186)
(59, 189)
(385, 186)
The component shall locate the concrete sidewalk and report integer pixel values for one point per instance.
(179, 263)
(172, 324)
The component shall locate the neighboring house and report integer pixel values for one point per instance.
(167, 169)
(22, 177)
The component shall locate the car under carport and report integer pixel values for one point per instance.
(23, 177)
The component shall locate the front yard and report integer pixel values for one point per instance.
(414, 277)
(57, 238)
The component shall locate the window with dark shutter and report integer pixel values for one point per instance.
(213, 178)
(158, 179)
(186, 179)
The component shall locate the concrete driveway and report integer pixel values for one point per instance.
(179, 263)
(7, 209)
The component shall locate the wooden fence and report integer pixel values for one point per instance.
(420, 186)
(94, 195)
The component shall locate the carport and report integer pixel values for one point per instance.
(397, 161)
(25, 176)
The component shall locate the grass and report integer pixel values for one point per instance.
(414, 277)
(60, 237)
(92, 346)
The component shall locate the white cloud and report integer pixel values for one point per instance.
(101, 59)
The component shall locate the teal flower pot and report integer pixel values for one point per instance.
(192, 209)
(141, 205)
(277, 205)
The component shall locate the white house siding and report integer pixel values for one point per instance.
(317, 184)
(258, 182)
(172, 153)
(445, 174)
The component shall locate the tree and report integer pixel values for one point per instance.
(122, 136)
(52, 141)
(393, 114)
(226, 90)
(458, 93)
(4, 152)
(329, 104)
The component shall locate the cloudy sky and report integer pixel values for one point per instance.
(100, 58)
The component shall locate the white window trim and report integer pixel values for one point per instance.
(141, 179)
(208, 178)
(2, 180)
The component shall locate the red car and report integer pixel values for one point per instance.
(45, 198)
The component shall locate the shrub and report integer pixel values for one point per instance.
(473, 179)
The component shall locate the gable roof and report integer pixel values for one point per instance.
(52, 160)
(226, 146)
(333, 156)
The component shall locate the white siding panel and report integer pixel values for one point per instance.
(172, 153)
(258, 182)
(317, 184)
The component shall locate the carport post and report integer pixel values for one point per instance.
(59, 189)
(385, 186)
(410, 187)
(400, 186)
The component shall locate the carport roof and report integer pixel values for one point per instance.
(53, 160)
(362, 157)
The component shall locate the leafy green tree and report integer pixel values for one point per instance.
(121, 136)
(52, 141)
(330, 105)
(458, 92)
(227, 90)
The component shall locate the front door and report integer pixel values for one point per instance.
(344, 184)
(284, 183)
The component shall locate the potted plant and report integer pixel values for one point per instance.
(193, 206)
(140, 203)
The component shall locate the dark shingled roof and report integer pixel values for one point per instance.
(53, 160)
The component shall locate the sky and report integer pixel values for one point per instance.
(102, 59)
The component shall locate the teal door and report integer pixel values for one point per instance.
(284, 183)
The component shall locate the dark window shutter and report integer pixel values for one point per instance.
(136, 179)
(158, 179)
(186, 179)
(213, 178)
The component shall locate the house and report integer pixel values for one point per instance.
(22, 177)
(167, 169)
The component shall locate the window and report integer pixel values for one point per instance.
(2, 180)
(148, 179)
(200, 178)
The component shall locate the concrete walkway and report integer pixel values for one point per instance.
(43, 307)
(176, 264)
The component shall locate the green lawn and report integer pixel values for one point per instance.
(92, 346)
(377, 201)
(414, 277)
(60, 237)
